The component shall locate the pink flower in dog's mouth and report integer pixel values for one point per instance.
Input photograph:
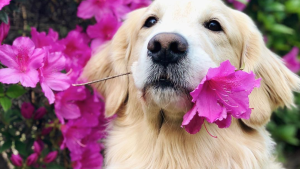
(221, 94)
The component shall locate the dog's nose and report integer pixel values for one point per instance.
(166, 48)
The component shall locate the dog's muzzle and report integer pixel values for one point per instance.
(167, 52)
(167, 48)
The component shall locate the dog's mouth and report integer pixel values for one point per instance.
(163, 82)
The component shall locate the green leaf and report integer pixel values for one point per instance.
(1, 90)
(21, 147)
(11, 115)
(15, 91)
(6, 146)
(5, 103)
(3, 17)
(282, 29)
(54, 166)
(286, 133)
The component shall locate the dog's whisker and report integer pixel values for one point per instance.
(101, 80)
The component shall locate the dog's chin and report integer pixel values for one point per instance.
(167, 96)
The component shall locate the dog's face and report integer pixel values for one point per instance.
(169, 48)
(177, 44)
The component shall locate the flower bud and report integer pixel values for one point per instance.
(46, 131)
(27, 110)
(40, 113)
(38, 147)
(4, 28)
(32, 159)
(50, 157)
(16, 160)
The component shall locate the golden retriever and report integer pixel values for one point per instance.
(169, 48)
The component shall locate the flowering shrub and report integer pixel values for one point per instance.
(45, 122)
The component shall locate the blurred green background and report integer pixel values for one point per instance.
(279, 21)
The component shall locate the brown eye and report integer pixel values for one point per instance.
(150, 22)
(213, 26)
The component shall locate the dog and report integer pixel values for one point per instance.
(169, 47)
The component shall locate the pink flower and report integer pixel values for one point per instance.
(91, 158)
(4, 3)
(239, 4)
(50, 76)
(90, 111)
(32, 159)
(16, 160)
(135, 4)
(103, 31)
(65, 105)
(89, 8)
(22, 60)
(50, 41)
(37, 147)
(46, 131)
(291, 60)
(73, 136)
(40, 113)
(27, 110)
(50, 157)
(77, 52)
(4, 28)
(221, 94)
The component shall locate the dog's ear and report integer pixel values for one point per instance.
(278, 82)
(113, 60)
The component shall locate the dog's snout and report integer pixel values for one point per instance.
(166, 48)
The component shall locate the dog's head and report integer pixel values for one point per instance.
(169, 48)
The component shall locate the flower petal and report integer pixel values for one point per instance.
(225, 69)
(48, 93)
(9, 76)
(86, 10)
(29, 78)
(58, 81)
(7, 56)
(225, 123)
(37, 58)
(207, 105)
(24, 43)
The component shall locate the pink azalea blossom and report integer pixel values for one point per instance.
(32, 159)
(73, 136)
(50, 76)
(50, 41)
(77, 52)
(65, 105)
(3, 3)
(90, 111)
(135, 4)
(16, 160)
(221, 94)
(97, 8)
(239, 4)
(50, 157)
(291, 60)
(40, 113)
(91, 158)
(22, 60)
(27, 110)
(103, 31)
(4, 28)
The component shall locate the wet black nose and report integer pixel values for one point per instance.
(167, 48)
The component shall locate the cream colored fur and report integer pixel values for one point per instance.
(142, 137)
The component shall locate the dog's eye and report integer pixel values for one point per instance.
(150, 22)
(213, 26)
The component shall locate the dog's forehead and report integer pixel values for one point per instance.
(186, 7)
